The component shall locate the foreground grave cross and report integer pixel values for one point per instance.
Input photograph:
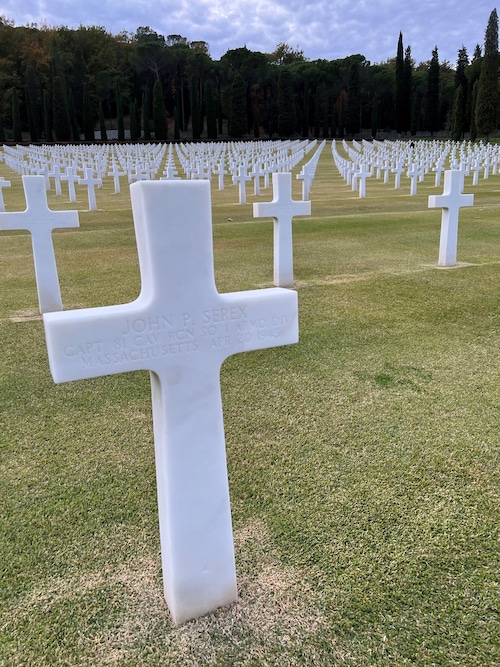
(39, 220)
(180, 329)
(282, 208)
(451, 201)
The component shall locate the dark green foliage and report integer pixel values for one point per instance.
(75, 131)
(400, 86)
(432, 98)
(210, 108)
(88, 117)
(119, 114)
(473, 127)
(287, 119)
(407, 102)
(102, 123)
(461, 81)
(2, 131)
(317, 113)
(195, 108)
(237, 116)
(375, 117)
(31, 120)
(177, 131)
(47, 117)
(32, 103)
(17, 134)
(133, 121)
(159, 114)
(137, 111)
(146, 112)
(62, 126)
(457, 118)
(486, 107)
(353, 112)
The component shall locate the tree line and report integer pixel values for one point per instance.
(61, 84)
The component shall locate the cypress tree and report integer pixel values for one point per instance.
(237, 117)
(375, 116)
(473, 128)
(16, 117)
(2, 132)
(457, 116)
(317, 113)
(432, 99)
(487, 89)
(88, 120)
(102, 123)
(159, 114)
(138, 128)
(400, 87)
(305, 111)
(461, 82)
(210, 107)
(287, 118)
(195, 109)
(408, 70)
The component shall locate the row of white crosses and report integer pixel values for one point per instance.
(180, 329)
(89, 165)
(414, 160)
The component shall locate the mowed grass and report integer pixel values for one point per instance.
(363, 462)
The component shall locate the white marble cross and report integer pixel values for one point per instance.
(3, 184)
(72, 178)
(451, 201)
(39, 220)
(180, 329)
(282, 208)
(90, 182)
(241, 179)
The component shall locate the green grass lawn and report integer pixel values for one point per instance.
(363, 462)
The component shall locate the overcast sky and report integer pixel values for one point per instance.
(326, 29)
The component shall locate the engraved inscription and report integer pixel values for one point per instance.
(157, 336)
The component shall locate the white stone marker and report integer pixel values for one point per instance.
(180, 329)
(282, 208)
(39, 220)
(90, 182)
(3, 184)
(451, 201)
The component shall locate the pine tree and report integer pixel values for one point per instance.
(487, 91)
(31, 119)
(177, 129)
(2, 132)
(432, 99)
(62, 126)
(159, 113)
(16, 117)
(473, 128)
(33, 104)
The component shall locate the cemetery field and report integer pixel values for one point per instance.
(363, 461)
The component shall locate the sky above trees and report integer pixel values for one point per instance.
(321, 29)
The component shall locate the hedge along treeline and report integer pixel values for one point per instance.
(60, 84)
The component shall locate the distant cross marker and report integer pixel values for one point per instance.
(282, 208)
(180, 329)
(451, 201)
(39, 220)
